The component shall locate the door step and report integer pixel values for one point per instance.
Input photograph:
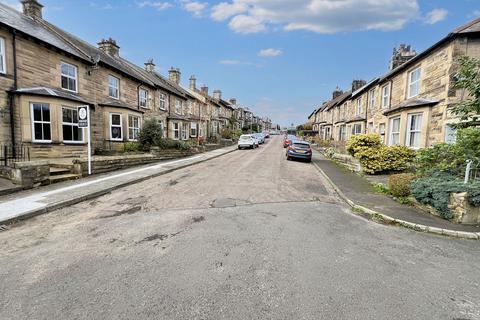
(63, 177)
(55, 171)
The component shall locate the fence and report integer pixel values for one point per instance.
(472, 171)
(10, 154)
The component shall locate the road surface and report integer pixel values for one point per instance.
(245, 236)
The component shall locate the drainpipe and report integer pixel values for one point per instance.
(11, 95)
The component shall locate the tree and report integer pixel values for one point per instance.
(468, 78)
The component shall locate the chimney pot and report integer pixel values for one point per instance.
(110, 47)
(150, 66)
(32, 8)
(174, 75)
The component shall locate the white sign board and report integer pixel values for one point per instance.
(82, 116)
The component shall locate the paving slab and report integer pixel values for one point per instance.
(361, 192)
(33, 202)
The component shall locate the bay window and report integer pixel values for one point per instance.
(176, 130)
(185, 130)
(193, 129)
(41, 124)
(71, 132)
(116, 133)
(356, 129)
(133, 127)
(394, 131)
(414, 130)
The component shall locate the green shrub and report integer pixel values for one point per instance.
(435, 191)
(173, 144)
(399, 184)
(131, 147)
(380, 188)
(450, 158)
(362, 142)
(226, 133)
(150, 134)
(381, 158)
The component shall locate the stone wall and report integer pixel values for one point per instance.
(30, 174)
(462, 211)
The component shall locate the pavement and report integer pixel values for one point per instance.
(38, 201)
(7, 187)
(361, 192)
(248, 235)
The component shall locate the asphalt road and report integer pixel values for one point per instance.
(245, 236)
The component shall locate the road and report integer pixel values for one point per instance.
(245, 236)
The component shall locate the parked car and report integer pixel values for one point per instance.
(247, 141)
(260, 137)
(299, 150)
(266, 134)
(288, 139)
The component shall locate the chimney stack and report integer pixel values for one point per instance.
(204, 90)
(32, 8)
(150, 66)
(109, 46)
(401, 55)
(233, 101)
(174, 75)
(193, 83)
(337, 93)
(357, 84)
(217, 94)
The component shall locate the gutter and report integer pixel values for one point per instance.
(10, 94)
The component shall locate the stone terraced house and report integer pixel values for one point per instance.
(410, 104)
(46, 73)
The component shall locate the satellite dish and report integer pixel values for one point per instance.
(96, 59)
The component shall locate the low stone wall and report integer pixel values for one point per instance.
(344, 159)
(30, 174)
(462, 211)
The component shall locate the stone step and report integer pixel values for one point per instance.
(63, 177)
(55, 171)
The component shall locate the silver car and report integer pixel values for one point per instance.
(247, 141)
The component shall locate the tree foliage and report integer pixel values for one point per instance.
(468, 78)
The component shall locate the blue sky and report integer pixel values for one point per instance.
(279, 57)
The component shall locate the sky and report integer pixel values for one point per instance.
(280, 58)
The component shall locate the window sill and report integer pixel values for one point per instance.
(74, 143)
(71, 91)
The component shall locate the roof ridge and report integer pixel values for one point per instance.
(466, 26)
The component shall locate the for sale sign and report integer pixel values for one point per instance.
(82, 116)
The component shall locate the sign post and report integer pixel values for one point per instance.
(84, 122)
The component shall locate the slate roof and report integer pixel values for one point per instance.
(356, 119)
(51, 92)
(338, 100)
(410, 103)
(364, 88)
(60, 39)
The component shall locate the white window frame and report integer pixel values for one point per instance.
(396, 133)
(72, 124)
(415, 83)
(3, 55)
(143, 98)
(185, 131)
(359, 106)
(342, 133)
(40, 122)
(354, 127)
(452, 137)
(386, 92)
(411, 131)
(193, 129)
(178, 106)
(372, 99)
(75, 78)
(176, 130)
(117, 88)
(133, 128)
(163, 101)
(116, 126)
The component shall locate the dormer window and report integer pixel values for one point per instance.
(414, 82)
(69, 76)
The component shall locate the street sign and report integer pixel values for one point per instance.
(84, 122)
(82, 116)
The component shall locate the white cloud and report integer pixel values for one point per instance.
(239, 62)
(12, 4)
(436, 15)
(195, 7)
(229, 62)
(270, 52)
(321, 16)
(159, 5)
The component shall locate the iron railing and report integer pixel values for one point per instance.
(10, 154)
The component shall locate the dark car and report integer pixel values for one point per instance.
(299, 150)
(288, 139)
